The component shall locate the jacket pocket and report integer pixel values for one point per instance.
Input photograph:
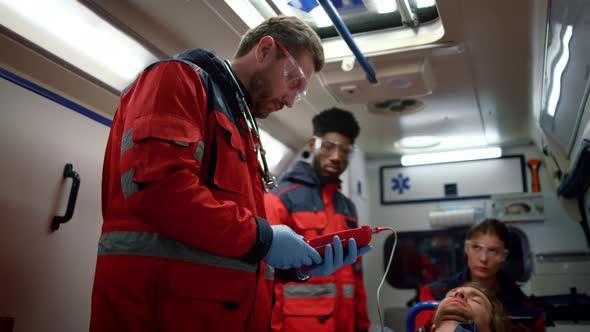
(206, 298)
(310, 314)
(165, 127)
(309, 224)
(231, 169)
(155, 146)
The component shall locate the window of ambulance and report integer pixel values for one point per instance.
(378, 26)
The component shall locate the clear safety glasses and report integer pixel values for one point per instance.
(296, 81)
(490, 252)
(327, 147)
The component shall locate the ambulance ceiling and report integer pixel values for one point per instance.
(466, 72)
(455, 73)
(359, 15)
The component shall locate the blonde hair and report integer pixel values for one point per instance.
(499, 320)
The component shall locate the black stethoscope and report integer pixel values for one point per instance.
(269, 180)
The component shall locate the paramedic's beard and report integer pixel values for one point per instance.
(261, 96)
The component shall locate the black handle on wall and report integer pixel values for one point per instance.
(68, 173)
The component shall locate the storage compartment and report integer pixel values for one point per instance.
(556, 273)
(525, 207)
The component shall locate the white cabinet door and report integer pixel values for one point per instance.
(46, 277)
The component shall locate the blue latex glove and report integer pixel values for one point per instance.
(335, 260)
(289, 250)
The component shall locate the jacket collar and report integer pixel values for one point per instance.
(302, 172)
(214, 66)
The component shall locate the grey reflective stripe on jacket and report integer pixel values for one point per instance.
(158, 245)
(127, 141)
(311, 290)
(348, 290)
(127, 185)
(269, 272)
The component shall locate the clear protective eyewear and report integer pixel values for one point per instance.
(490, 252)
(294, 75)
(327, 147)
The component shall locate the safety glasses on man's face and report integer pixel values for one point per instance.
(294, 75)
(327, 147)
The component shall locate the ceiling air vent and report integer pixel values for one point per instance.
(396, 106)
(406, 78)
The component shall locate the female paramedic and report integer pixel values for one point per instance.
(486, 250)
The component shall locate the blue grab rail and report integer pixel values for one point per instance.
(345, 34)
(417, 308)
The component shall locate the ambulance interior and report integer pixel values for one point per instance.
(426, 77)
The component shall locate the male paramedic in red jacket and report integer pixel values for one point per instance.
(185, 245)
(308, 200)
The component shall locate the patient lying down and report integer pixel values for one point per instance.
(469, 309)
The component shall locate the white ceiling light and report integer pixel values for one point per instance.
(425, 3)
(246, 11)
(385, 6)
(320, 17)
(449, 156)
(296, 8)
(75, 34)
(284, 7)
(558, 71)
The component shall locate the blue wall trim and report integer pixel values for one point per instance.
(53, 96)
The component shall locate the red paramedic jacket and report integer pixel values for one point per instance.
(184, 232)
(334, 303)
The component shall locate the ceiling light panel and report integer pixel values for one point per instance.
(75, 34)
(450, 156)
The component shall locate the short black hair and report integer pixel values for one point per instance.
(336, 120)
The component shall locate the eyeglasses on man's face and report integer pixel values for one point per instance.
(328, 146)
(294, 75)
(489, 251)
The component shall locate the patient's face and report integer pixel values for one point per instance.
(465, 304)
